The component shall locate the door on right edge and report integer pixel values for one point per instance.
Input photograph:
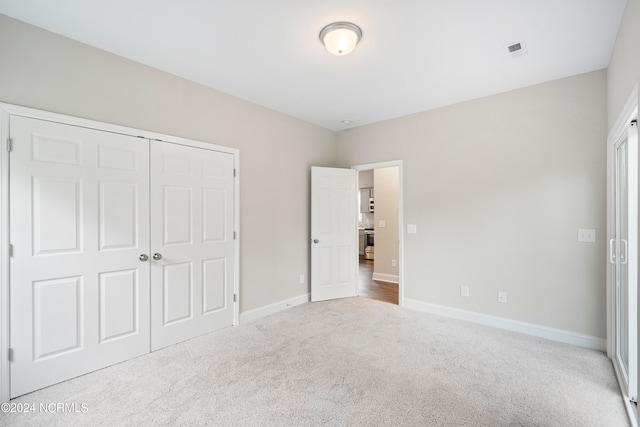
(624, 255)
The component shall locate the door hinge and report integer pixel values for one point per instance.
(234, 172)
(9, 144)
(10, 355)
(235, 297)
(234, 235)
(10, 250)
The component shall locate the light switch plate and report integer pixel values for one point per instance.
(587, 235)
(382, 223)
(412, 228)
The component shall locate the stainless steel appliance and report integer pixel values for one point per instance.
(368, 243)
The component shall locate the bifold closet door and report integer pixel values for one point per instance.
(192, 202)
(79, 222)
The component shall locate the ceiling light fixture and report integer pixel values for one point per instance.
(340, 38)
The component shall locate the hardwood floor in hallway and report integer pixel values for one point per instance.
(376, 289)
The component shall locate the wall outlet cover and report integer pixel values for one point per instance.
(587, 235)
(502, 297)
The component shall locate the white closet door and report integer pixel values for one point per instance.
(192, 239)
(79, 209)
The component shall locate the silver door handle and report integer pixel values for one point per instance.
(316, 241)
(143, 257)
(612, 254)
(157, 256)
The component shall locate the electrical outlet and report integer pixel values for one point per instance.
(464, 291)
(382, 223)
(587, 235)
(502, 297)
(302, 279)
(394, 263)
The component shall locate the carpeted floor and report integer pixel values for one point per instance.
(346, 362)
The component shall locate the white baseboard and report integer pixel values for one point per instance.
(259, 312)
(391, 278)
(568, 337)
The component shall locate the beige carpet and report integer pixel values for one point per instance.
(346, 362)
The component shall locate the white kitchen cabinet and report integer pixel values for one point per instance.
(366, 196)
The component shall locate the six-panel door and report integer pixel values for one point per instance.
(333, 233)
(192, 219)
(79, 209)
(86, 291)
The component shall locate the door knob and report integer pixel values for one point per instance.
(316, 241)
(143, 257)
(157, 256)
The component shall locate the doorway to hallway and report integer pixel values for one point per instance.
(380, 231)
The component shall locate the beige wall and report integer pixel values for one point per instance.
(624, 67)
(498, 187)
(41, 70)
(365, 179)
(386, 209)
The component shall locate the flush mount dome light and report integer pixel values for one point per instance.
(340, 38)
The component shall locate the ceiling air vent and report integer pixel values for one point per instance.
(514, 47)
(516, 50)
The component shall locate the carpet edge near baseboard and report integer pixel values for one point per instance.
(561, 335)
(257, 313)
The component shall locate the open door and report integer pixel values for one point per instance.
(334, 234)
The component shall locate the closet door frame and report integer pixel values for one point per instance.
(7, 110)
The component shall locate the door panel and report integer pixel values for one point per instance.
(177, 215)
(56, 215)
(334, 234)
(118, 304)
(214, 275)
(79, 209)
(177, 292)
(57, 316)
(192, 203)
(625, 260)
(118, 216)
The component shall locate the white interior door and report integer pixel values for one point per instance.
(192, 202)
(79, 209)
(334, 234)
(624, 256)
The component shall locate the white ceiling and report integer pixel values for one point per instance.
(414, 55)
